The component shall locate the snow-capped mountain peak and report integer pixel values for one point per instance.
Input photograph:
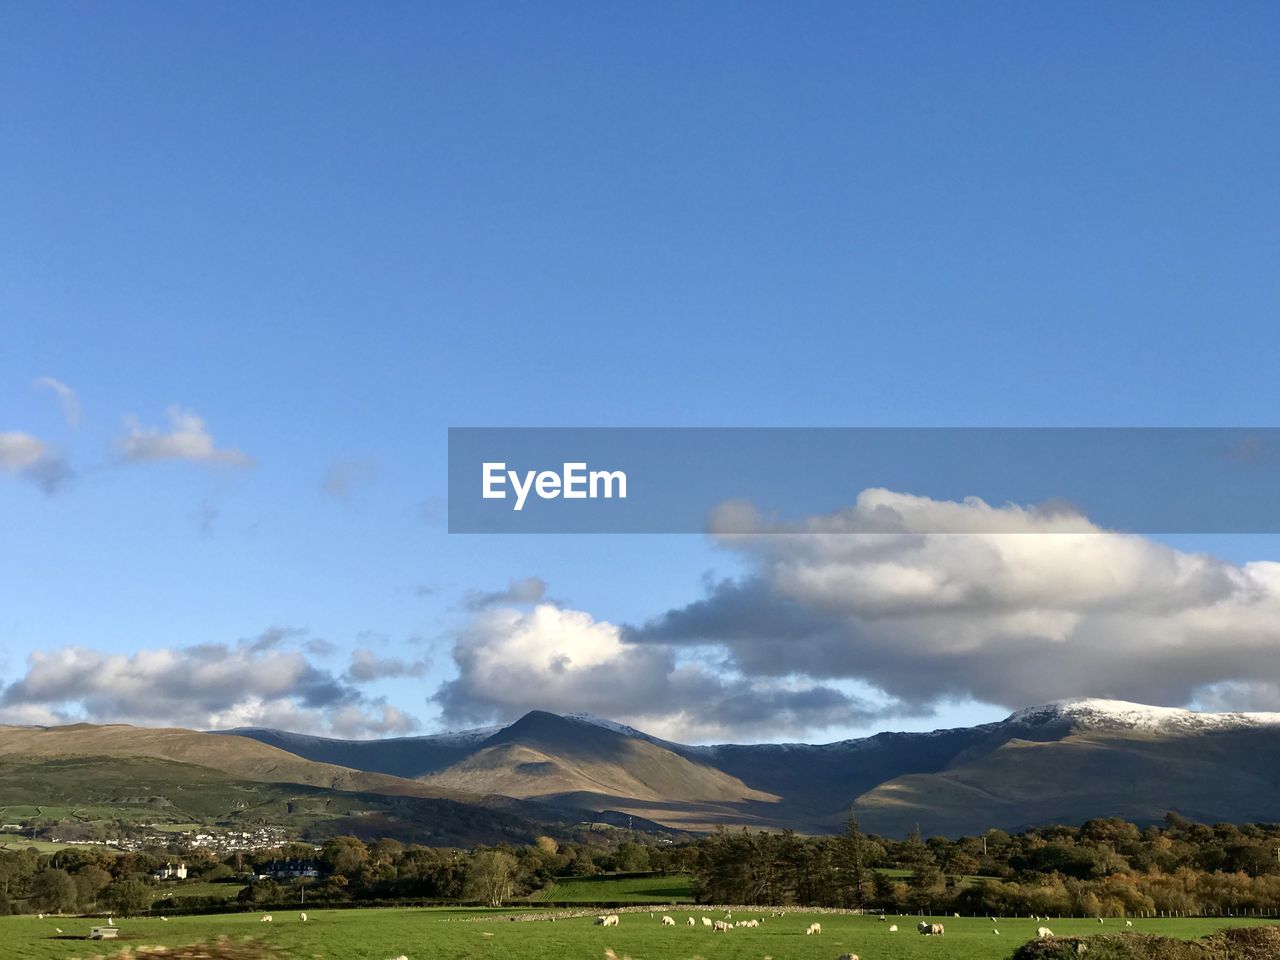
(1093, 713)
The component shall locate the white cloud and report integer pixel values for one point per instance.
(260, 681)
(1048, 606)
(512, 660)
(187, 438)
(67, 398)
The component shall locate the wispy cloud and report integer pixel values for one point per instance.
(67, 398)
(187, 439)
(343, 477)
(30, 458)
(525, 590)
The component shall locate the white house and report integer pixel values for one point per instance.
(170, 872)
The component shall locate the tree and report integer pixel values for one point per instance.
(53, 891)
(344, 855)
(128, 897)
(490, 877)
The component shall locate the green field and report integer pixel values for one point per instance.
(445, 934)
(669, 889)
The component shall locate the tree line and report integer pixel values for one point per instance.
(1104, 868)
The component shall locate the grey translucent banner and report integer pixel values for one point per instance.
(863, 480)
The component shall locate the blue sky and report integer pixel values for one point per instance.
(332, 231)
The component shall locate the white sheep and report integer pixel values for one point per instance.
(1128, 923)
(931, 929)
(813, 928)
(266, 918)
(721, 926)
(693, 922)
(1043, 932)
(668, 921)
(893, 928)
(706, 921)
(302, 917)
(847, 956)
(608, 920)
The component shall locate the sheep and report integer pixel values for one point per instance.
(266, 918)
(668, 921)
(893, 928)
(956, 915)
(1100, 920)
(59, 929)
(751, 923)
(706, 921)
(996, 932)
(1043, 933)
(721, 926)
(847, 956)
(882, 918)
(608, 920)
(1128, 923)
(813, 928)
(930, 929)
(302, 917)
(693, 922)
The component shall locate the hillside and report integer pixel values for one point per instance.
(1062, 762)
(584, 764)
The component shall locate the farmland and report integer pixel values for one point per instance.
(459, 934)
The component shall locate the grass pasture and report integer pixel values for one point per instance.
(673, 888)
(450, 934)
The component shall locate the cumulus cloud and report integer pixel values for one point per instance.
(30, 458)
(512, 660)
(259, 681)
(187, 438)
(1006, 605)
(525, 590)
(67, 398)
(344, 476)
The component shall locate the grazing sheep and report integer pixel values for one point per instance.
(1100, 920)
(721, 926)
(59, 929)
(956, 915)
(996, 932)
(706, 921)
(813, 928)
(1128, 923)
(751, 923)
(693, 922)
(931, 929)
(894, 928)
(668, 921)
(266, 918)
(1043, 933)
(882, 918)
(302, 917)
(608, 920)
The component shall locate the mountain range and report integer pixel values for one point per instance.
(1064, 762)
